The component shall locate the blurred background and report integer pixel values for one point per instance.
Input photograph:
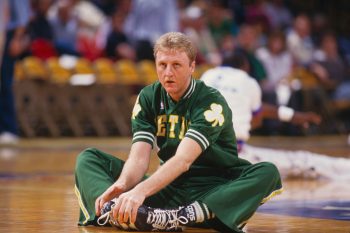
(72, 68)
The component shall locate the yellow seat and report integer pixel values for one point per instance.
(200, 69)
(58, 74)
(19, 71)
(127, 72)
(147, 71)
(83, 66)
(307, 79)
(105, 72)
(34, 68)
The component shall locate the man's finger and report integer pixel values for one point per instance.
(97, 206)
(127, 213)
(121, 212)
(116, 209)
(134, 214)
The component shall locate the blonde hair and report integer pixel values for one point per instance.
(175, 41)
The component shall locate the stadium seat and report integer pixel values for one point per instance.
(105, 71)
(147, 71)
(30, 94)
(113, 101)
(127, 71)
(307, 79)
(112, 98)
(34, 68)
(83, 66)
(31, 106)
(19, 71)
(58, 74)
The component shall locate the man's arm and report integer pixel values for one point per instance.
(133, 171)
(285, 114)
(129, 202)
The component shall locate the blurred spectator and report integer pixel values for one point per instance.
(256, 14)
(299, 41)
(342, 92)
(220, 21)
(39, 26)
(65, 27)
(3, 20)
(344, 45)
(222, 25)
(280, 17)
(87, 13)
(329, 66)
(106, 6)
(91, 20)
(196, 27)
(76, 26)
(278, 63)
(147, 21)
(40, 30)
(237, 9)
(247, 44)
(319, 26)
(16, 42)
(118, 46)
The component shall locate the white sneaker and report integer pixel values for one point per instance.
(8, 138)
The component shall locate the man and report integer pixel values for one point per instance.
(3, 20)
(146, 21)
(17, 13)
(200, 169)
(243, 95)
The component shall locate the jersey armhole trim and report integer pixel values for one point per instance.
(143, 136)
(198, 137)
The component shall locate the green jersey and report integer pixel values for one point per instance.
(202, 114)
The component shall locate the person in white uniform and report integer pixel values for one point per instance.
(243, 95)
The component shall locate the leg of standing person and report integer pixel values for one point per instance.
(8, 124)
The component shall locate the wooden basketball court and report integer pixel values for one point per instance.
(37, 180)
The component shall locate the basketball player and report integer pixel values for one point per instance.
(243, 95)
(191, 124)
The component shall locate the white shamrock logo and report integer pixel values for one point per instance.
(214, 115)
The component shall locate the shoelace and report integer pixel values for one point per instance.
(105, 217)
(165, 219)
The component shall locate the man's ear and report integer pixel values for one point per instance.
(193, 66)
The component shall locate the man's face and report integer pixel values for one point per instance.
(174, 72)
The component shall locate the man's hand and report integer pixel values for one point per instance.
(305, 119)
(114, 191)
(133, 171)
(127, 205)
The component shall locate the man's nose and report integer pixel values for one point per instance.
(168, 70)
